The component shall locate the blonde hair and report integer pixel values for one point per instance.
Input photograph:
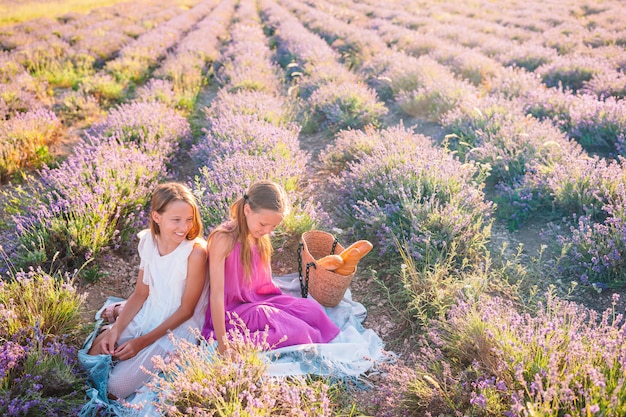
(262, 195)
(169, 192)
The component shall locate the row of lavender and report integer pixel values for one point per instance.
(587, 44)
(533, 165)
(251, 133)
(55, 76)
(484, 358)
(585, 93)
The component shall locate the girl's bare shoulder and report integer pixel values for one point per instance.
(222, 240)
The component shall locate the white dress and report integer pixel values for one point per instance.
(166, 277)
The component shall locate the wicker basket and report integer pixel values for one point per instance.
(327, 287)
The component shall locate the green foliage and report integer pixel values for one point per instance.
(104, 88)
(36, 299)
(24, 141)
(344, 106)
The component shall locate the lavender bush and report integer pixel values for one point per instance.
(599, 124)
(104, 88)
(527, 55)
(40, 378)
(570, 72)
(237, 135)
(512, 83)
(549, 104)
(421, 87)
(79, 108)
(593, 249)
(197, 381)
(404, 38)
(157, 90)
(595, 124)
(154, 127)
(313, 76)
(343, 106)
(247, 62)
(268, 107)
(24, 140)
(8, 67)
(24, 93)
(487, 359)
(397, 192)
(351, 146)
(606, 84)
(39, 372)
(92, 200)
(38, 300)
(42, 56)
(468, 64)
(497, 133)
(399, 72)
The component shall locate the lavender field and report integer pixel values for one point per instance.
(480, 146)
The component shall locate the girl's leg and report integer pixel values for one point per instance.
(95, 348)
(128, 376)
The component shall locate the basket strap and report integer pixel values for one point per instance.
(304, 288)
(304, 282)
(332, 250)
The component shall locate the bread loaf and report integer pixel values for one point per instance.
(330, 262)
(352, 255)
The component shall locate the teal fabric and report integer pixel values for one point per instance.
(98, 368)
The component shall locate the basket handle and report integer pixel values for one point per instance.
(304, 282)
(335, 243)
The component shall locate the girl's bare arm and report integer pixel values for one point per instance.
(196, 278)
(219, 249)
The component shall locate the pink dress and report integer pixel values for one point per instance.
(261, 303)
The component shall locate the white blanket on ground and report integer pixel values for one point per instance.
(352, 354)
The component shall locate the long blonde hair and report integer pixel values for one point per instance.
(262, 195)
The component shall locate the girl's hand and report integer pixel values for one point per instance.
(129, 349)
(109, 341)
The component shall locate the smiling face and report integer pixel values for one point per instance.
(174, 222)
(261, 222)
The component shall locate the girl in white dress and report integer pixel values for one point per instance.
(170, 294)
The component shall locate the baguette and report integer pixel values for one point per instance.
(330, 262)
(352, 255)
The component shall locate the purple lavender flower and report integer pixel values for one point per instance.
(393, 192)
(153, 126)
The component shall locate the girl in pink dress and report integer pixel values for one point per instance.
(240, 277)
